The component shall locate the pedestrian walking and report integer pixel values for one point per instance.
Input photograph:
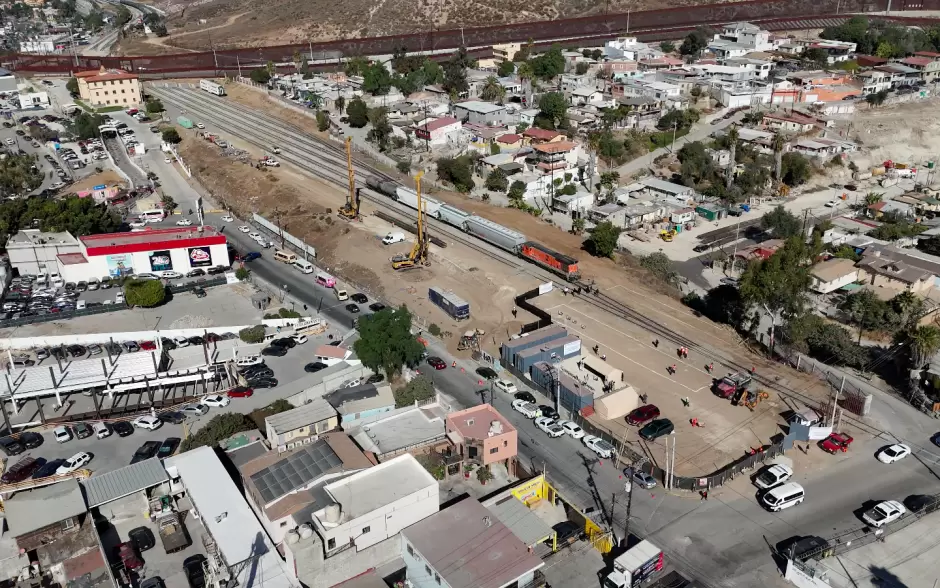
(656, 343)
(685, 353)
(705, 495)
(753, 370)
(604, 356)
(514, 313)
(679, 352)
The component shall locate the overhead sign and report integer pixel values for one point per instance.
(100, 187)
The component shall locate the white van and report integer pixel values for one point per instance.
(303, 266)
(393, 238)
(101, 430)
(341, 293)
(783, 496)
(284, 256)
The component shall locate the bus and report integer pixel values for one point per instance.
(212, 87)
(152, 216)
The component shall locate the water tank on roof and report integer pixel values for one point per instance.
(292, 537)
(306, 531)
(333, 513)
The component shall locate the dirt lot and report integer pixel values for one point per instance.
(107, 177)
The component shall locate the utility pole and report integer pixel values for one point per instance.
(675, 126)
(628, 488)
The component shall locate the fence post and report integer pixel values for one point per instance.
(799, 358)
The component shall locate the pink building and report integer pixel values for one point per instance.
(483, 436)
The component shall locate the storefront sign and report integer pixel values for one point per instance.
(119, 265)
(160, 261)
(199, 257)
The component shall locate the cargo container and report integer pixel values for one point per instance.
(184, 122)
(450, 303)
(575, 396)
(510, 348)
(495, 234)
(453, 216)
(555, 350)
(409, 198)
(561, 264)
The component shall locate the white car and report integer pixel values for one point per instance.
(148, 422)
(9, 141)
(181, 341)
(544, 423)
(247, 360)
(200, 126)
(255, 236)
(884, 513)
(167, 160)
(62, 434)
(184, 222)
(526, 409)
(299, 339)
(598, 446)
(57, 185)
(506, 386)
(73, 463)
(894, 453)
(195, 409)
(773, 476)
(170, 275)
(138, 224)
(244, 229)
(832, 204)
(216, 400)
(572, 429)
(228, 218)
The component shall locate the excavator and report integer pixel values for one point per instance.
(350, 211)
(419, 253)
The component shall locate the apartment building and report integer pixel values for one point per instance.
(109, 87)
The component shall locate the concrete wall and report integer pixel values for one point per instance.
(329, 383)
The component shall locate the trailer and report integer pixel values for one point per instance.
(184, 122)
(561, 264)
(450, 303)
(453, 216)
(212, 87)
(634, 566)
(495, 234)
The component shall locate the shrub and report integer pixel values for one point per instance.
(271, 315)
(171, 136)
(145, 293)
(434, 330)
(253, 334)
(242, 273)
(403, 167)
(484, 474)
(420, 388)
(286, 313)
(221, 427)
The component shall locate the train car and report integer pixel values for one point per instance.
(212, 87)
(409, 198)
(495, 234)
(453, 216)
(561, 264)
(383, 186)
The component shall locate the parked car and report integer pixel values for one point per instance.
(151, 423)
(145, 451)
(168, 447)
(82, 430)
(437, 363)
(143, 539)
(263, 382)
(836, 442)
(894, 453)
(884, 513)
(524, 396)
(172, 416)
(22, 470)
(598, 446)
(286, 342)
(376, 306)
(548, 411)
(240, 392)
(193, 568)
(123, 428)
(49, 469)
(62, 434)
(359, 298)
(506, 386)
(247, 360)
(572, 429)
(127, 555)
(274, 351)
(73, 463)
(195, 409)
(526, 409)
(658, 428)
(641, 479)
(31, 440)
(773, 475)
(314, 367)
(643, 414)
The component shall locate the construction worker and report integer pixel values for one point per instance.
(454, 364)
(656, 343)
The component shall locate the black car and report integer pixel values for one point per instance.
(172, 416)
(153, 581)
(284, 342)
(525, 396)
(123, 428)
(168, 447)
(263, 383)
(31, 440)
(168, 344)
(142, 538)
(359, 297)
(199, 292)
(212, 337)
(353, 308)
(219, 269)
(48, 468)
(195, 272)
(146, 451)
(275, 351)
(314, 367)
(804, 548)
(656, 429)
(192, 567)
(82, 430)
(263, 372)
(548, 411)
(254, 369)
(11, 446)
(58, 352)
(376, 306)
(196, 340)
(701, 248)
(375, 379)
(921, 502)
(567, 532)
(487, 373)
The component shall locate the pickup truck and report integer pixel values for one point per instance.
(172, 533)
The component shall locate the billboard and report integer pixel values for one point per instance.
(200, 257)
(160, 261)
(119, 265)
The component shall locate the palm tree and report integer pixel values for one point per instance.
(924, 341)
(492, 90)
(732, 146)
(909, 308)
(873, 198)
(778, 144)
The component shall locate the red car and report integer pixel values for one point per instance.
(643, 414)
(240, 392)
(128, 556)
(437, 363)
(836, 442)
(148, 345)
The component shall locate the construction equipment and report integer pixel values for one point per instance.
(351, 210)
(783, 190)
(470, 340)
(667, 235)
(419, 253)
(754, 398)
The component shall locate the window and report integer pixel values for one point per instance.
(428, 570)
(437, 579)
(331, 543)
(410, 549)
(283, 524)
(493, 450)
(505, 443)
(366, 529)
(68, 523)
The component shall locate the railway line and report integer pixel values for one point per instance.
(325, 160)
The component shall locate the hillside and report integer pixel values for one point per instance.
(201, 24)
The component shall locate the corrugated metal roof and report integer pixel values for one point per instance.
(123, 482)
(32, 510)
(317, 410)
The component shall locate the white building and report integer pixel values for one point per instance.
(582, 96)
(34, 252)
(630, 48)
(747, 35)
(375, 504)
(830, 275)
(738, 94)
(42, 45)
(30, 97)
(439, 131)
(661, 91)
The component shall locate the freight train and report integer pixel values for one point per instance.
(495, 234)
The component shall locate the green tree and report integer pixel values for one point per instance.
(358, 113)
(219, 428)
(693, 43)
(581, 68)
(868, 312)
(796, 169)
(659, 265)
(323, 121)
(260, 75)
(496, 181)
(516, 193)
(506, 68)
(252, 335)
(339, 104)
(609, 148)
(94, 21)
(492, 90)
(458, 171)
(455, 73)
(381, 130)
(724, 304)
(417, 390)
(242, 274)
(385, 341)
(144, 293)
(72, 86)
(816, 55)
(154, 105)
(171, 136)
(602, 241)
(85, 125)
(356, 66)
(577, 225)
(122, 16)
(667, 46)
(553, 109)
(376, 80)
(909, 309)
(873, 198)
(924, 342)
(783, 223)
(549, 65)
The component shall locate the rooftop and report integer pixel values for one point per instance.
(401, 430)
(71, 258)
(359, 398)
(104, 75)
(34, 509)
(81, 374)
(833, 269)
(332, 351)
(480, 107)
(509, 138)
(477, 422)
(438, 123)
(318, 409)
(664, 186)
(470, 548)
(150, 240)
(540, 134)
(28, 238)
(109, 486)
(368, 490)
(524, 524)
(557, 147)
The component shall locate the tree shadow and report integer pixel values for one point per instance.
(885, 578)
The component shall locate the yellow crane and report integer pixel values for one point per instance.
(419, 253)
(351, 209)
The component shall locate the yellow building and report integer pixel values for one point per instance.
(109, 87)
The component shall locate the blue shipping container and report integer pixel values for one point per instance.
(450, 303)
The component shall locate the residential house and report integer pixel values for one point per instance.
(482, 136)
(651, 89)
(332, 354)
(280, 487)
(506, 51)
(536, 136)
(466, 546)
(790, 122)
(659, 63)
(686, 79)
(557, 157)
(374, 504)
(583, 95)
(576, 205)
(439, 132)
(928, 67)
(644, 214)
(109, 87)
(836, 51)
(359, 402)
(620, 67)
(676, 193)
(874, 81)
(900, 74)
(742, 94)
(301, 425)
(680, 216)
(832, 274)
(871, 60)
(723, 49)
(509, 141)
(630, 49)
(611, 213)
(899, 270)
(482, 436)
(527, 116)
(746, 35)
(482, 113)
(512, 84)
(410, 429)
